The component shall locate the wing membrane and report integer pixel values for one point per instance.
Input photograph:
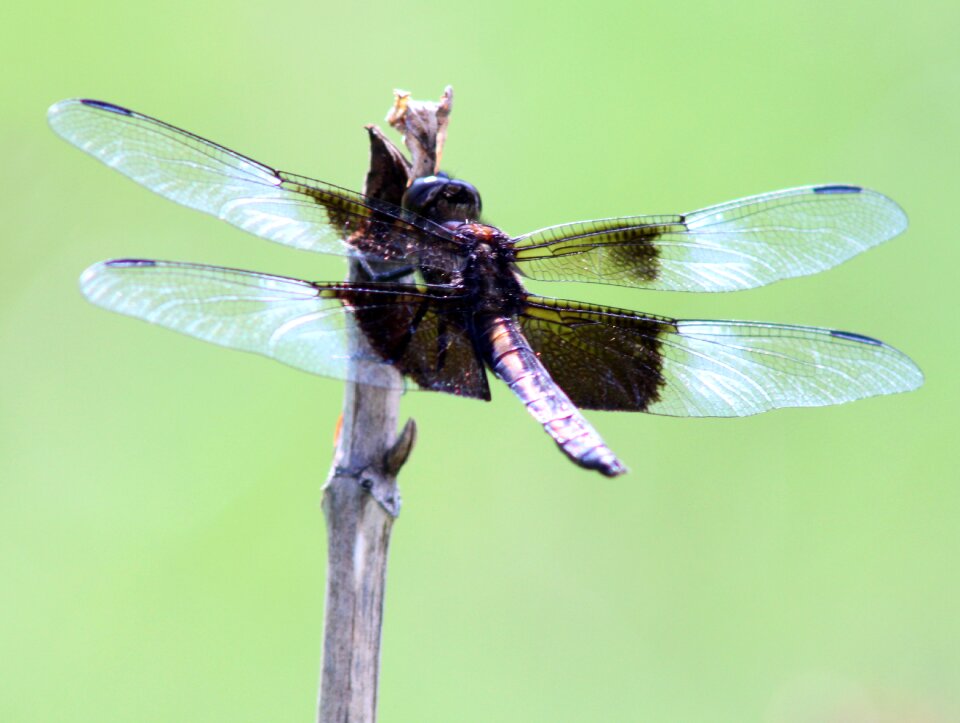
(606, 358)
(736, 245)
(275, 205)
(307, 325)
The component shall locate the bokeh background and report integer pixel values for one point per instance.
(161, 543)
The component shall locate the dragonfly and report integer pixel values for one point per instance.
(445, 303)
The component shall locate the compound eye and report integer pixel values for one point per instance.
(442, 199)
(463, 197)
(422, 192)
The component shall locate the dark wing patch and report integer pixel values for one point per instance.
(620, 251)
(423, 335)
(320, 328)
(615, 359)
(736, 245)
(602, 358)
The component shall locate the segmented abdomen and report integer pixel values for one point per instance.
(511, 358)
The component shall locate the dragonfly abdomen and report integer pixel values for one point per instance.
(512, 360)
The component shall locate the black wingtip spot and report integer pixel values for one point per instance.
(850, 336)
(102, 105)
(130, 263)
(837, 189)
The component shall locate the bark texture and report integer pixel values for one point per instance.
(361, 499)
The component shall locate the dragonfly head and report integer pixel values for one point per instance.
(442, 199)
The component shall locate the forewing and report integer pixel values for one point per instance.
(736, 245)
(275, 205)
(346, 331)
(606, 358)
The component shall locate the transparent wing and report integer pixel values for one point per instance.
(346, 331)
(275, 205)
(736, 245)
(606, 358)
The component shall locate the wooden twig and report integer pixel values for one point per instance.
(361, 499)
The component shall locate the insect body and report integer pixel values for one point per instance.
(469, 312)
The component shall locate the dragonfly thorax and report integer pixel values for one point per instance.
(489, 276)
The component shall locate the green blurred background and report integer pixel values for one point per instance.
(162, 548)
